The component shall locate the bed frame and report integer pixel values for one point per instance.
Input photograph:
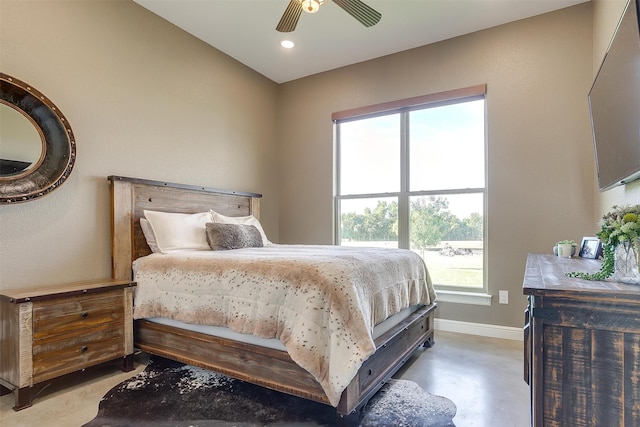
(266, 367)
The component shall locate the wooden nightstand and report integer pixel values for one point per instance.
(51, 331)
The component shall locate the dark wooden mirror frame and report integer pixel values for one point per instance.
(59, 146)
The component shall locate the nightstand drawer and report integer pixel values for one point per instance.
(76, 350)
(76, 313)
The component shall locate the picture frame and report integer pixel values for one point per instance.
(590, 248)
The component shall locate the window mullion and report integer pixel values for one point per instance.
(403, 199)
(336, 185)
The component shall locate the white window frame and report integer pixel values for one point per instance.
(465, 295)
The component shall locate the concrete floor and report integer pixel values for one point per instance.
(482, 376)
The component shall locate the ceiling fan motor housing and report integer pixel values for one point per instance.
(366, 15)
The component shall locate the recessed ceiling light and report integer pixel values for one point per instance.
(287, 44)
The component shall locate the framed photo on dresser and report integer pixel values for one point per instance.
(590, 248)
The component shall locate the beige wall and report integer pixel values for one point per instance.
(540, 158)
(144, 99)
(606, 15)
(147, 100)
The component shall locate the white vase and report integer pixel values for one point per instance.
(565, 250)
(626, 261)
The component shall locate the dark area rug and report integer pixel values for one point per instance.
(169, 393)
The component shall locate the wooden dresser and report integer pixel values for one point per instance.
(582, 346)
(51, 331)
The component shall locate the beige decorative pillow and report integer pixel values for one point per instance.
(233, 236)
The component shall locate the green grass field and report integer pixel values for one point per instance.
(460, 270)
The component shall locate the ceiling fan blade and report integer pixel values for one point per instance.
(290, 17)
(363, 13)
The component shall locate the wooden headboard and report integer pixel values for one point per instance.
(131, 196)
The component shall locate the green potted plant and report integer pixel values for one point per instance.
(620, 237)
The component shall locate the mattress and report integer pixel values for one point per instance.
(273, 343)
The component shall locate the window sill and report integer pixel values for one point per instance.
(459, 297)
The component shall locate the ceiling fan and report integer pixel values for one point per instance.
(356, 8)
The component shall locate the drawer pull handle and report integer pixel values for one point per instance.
(84, 314)
(84, 348)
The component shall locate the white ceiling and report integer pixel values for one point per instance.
(329, 39)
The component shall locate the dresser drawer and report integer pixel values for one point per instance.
(76, 350)
(64, 315)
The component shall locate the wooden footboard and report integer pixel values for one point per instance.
(274, 369)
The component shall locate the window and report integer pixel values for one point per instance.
(411, 175)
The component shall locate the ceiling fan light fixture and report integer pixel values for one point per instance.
(311, 6)
(287, 44)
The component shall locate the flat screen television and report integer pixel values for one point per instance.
(614, 103)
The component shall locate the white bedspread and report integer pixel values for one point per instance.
(321, 302)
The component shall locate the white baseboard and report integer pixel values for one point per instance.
(485, 330)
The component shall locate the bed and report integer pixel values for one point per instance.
(256, 361)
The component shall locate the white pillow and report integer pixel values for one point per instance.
(178, 231)
(247, 220)
(148, 235)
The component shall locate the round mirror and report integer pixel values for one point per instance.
(37, 147)
(22, 145)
